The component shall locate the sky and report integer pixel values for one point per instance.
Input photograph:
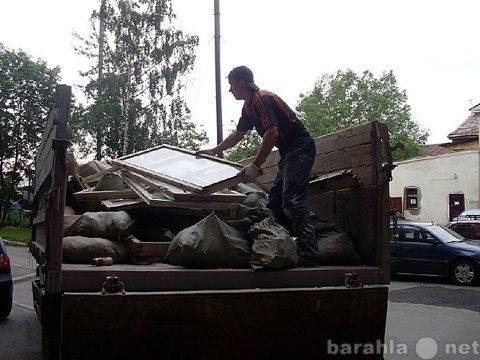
(431, 46)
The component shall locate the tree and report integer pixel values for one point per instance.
(136, 83)
(27, 93)
(345, 99)
(246, 148)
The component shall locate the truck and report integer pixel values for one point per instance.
(159, 311)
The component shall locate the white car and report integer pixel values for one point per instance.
(468, 214)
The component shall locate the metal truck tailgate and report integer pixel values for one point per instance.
(164, 277)
(296, 323)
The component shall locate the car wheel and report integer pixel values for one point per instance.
(464, 272)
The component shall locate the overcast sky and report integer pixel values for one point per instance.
(430, 45)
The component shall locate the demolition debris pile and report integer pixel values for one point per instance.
(167, 205)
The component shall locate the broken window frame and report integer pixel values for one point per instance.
(181, 180)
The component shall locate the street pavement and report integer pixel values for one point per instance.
(428, 321)
(428, 318)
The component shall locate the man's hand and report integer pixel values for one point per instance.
(205, 152)
(250, 173)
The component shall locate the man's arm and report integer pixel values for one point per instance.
(232, 140)
(251, 171)
(268, 142)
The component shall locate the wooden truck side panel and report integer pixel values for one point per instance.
(250, 324)
(164, 311)
(350, 187)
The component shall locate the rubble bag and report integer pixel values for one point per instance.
(210, 243)
(335, 246)
(242, 217)
(273, 247)
(113, 225)
(82, 249)
(255, 196)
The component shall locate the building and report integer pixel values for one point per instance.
(445, 181)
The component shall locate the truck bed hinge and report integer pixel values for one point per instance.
(352, 280)
(113, 285)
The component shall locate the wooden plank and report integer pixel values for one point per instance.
(144, 252)
(348, 149)
(156, 183)
(219, 196)
(348, 158)
(348, 138)
(123, 204)
(205, 205)
(50, 192)
(149, 198)
(90, 194)
(139, 190)
(334, 181)
(44, 164)
(53, 270)
(360, 135)
(181, 150)
(165, 277)
(295, 323)
(358, 221)
(184, 199)
(224, 195)
(48, 135)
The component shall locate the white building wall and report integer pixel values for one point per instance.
(437, 177)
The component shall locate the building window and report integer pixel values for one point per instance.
(411, 198)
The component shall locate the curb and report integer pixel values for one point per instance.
(13, 243)
(24, 278)
(23, 306)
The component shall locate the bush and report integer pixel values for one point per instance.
(17, 218)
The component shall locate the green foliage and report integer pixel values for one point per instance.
(17, 218)
(246, 148)
(16, 234)
(345, 99)
(27, 93)
(136, 84)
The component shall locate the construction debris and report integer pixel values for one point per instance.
(164, 176)
(184, 210)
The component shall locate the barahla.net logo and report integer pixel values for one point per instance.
(425, 348)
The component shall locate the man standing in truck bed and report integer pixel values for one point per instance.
(279, 126)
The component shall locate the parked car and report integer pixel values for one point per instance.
(468, 214)
(6, 283)
(469, 229)
(427, 248)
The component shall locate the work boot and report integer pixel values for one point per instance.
(307, 246)
(308, 253)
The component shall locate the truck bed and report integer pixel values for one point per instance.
(127, 311)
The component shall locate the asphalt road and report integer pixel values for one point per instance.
(20, 333)
(428, 318)
(431, 318)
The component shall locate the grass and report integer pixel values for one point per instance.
(16, 234)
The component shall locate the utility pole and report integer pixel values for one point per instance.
(218, 87)
(101, 40)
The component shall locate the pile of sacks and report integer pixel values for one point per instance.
(239, 237)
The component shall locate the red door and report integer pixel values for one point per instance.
(456, 204)
(396, 203)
